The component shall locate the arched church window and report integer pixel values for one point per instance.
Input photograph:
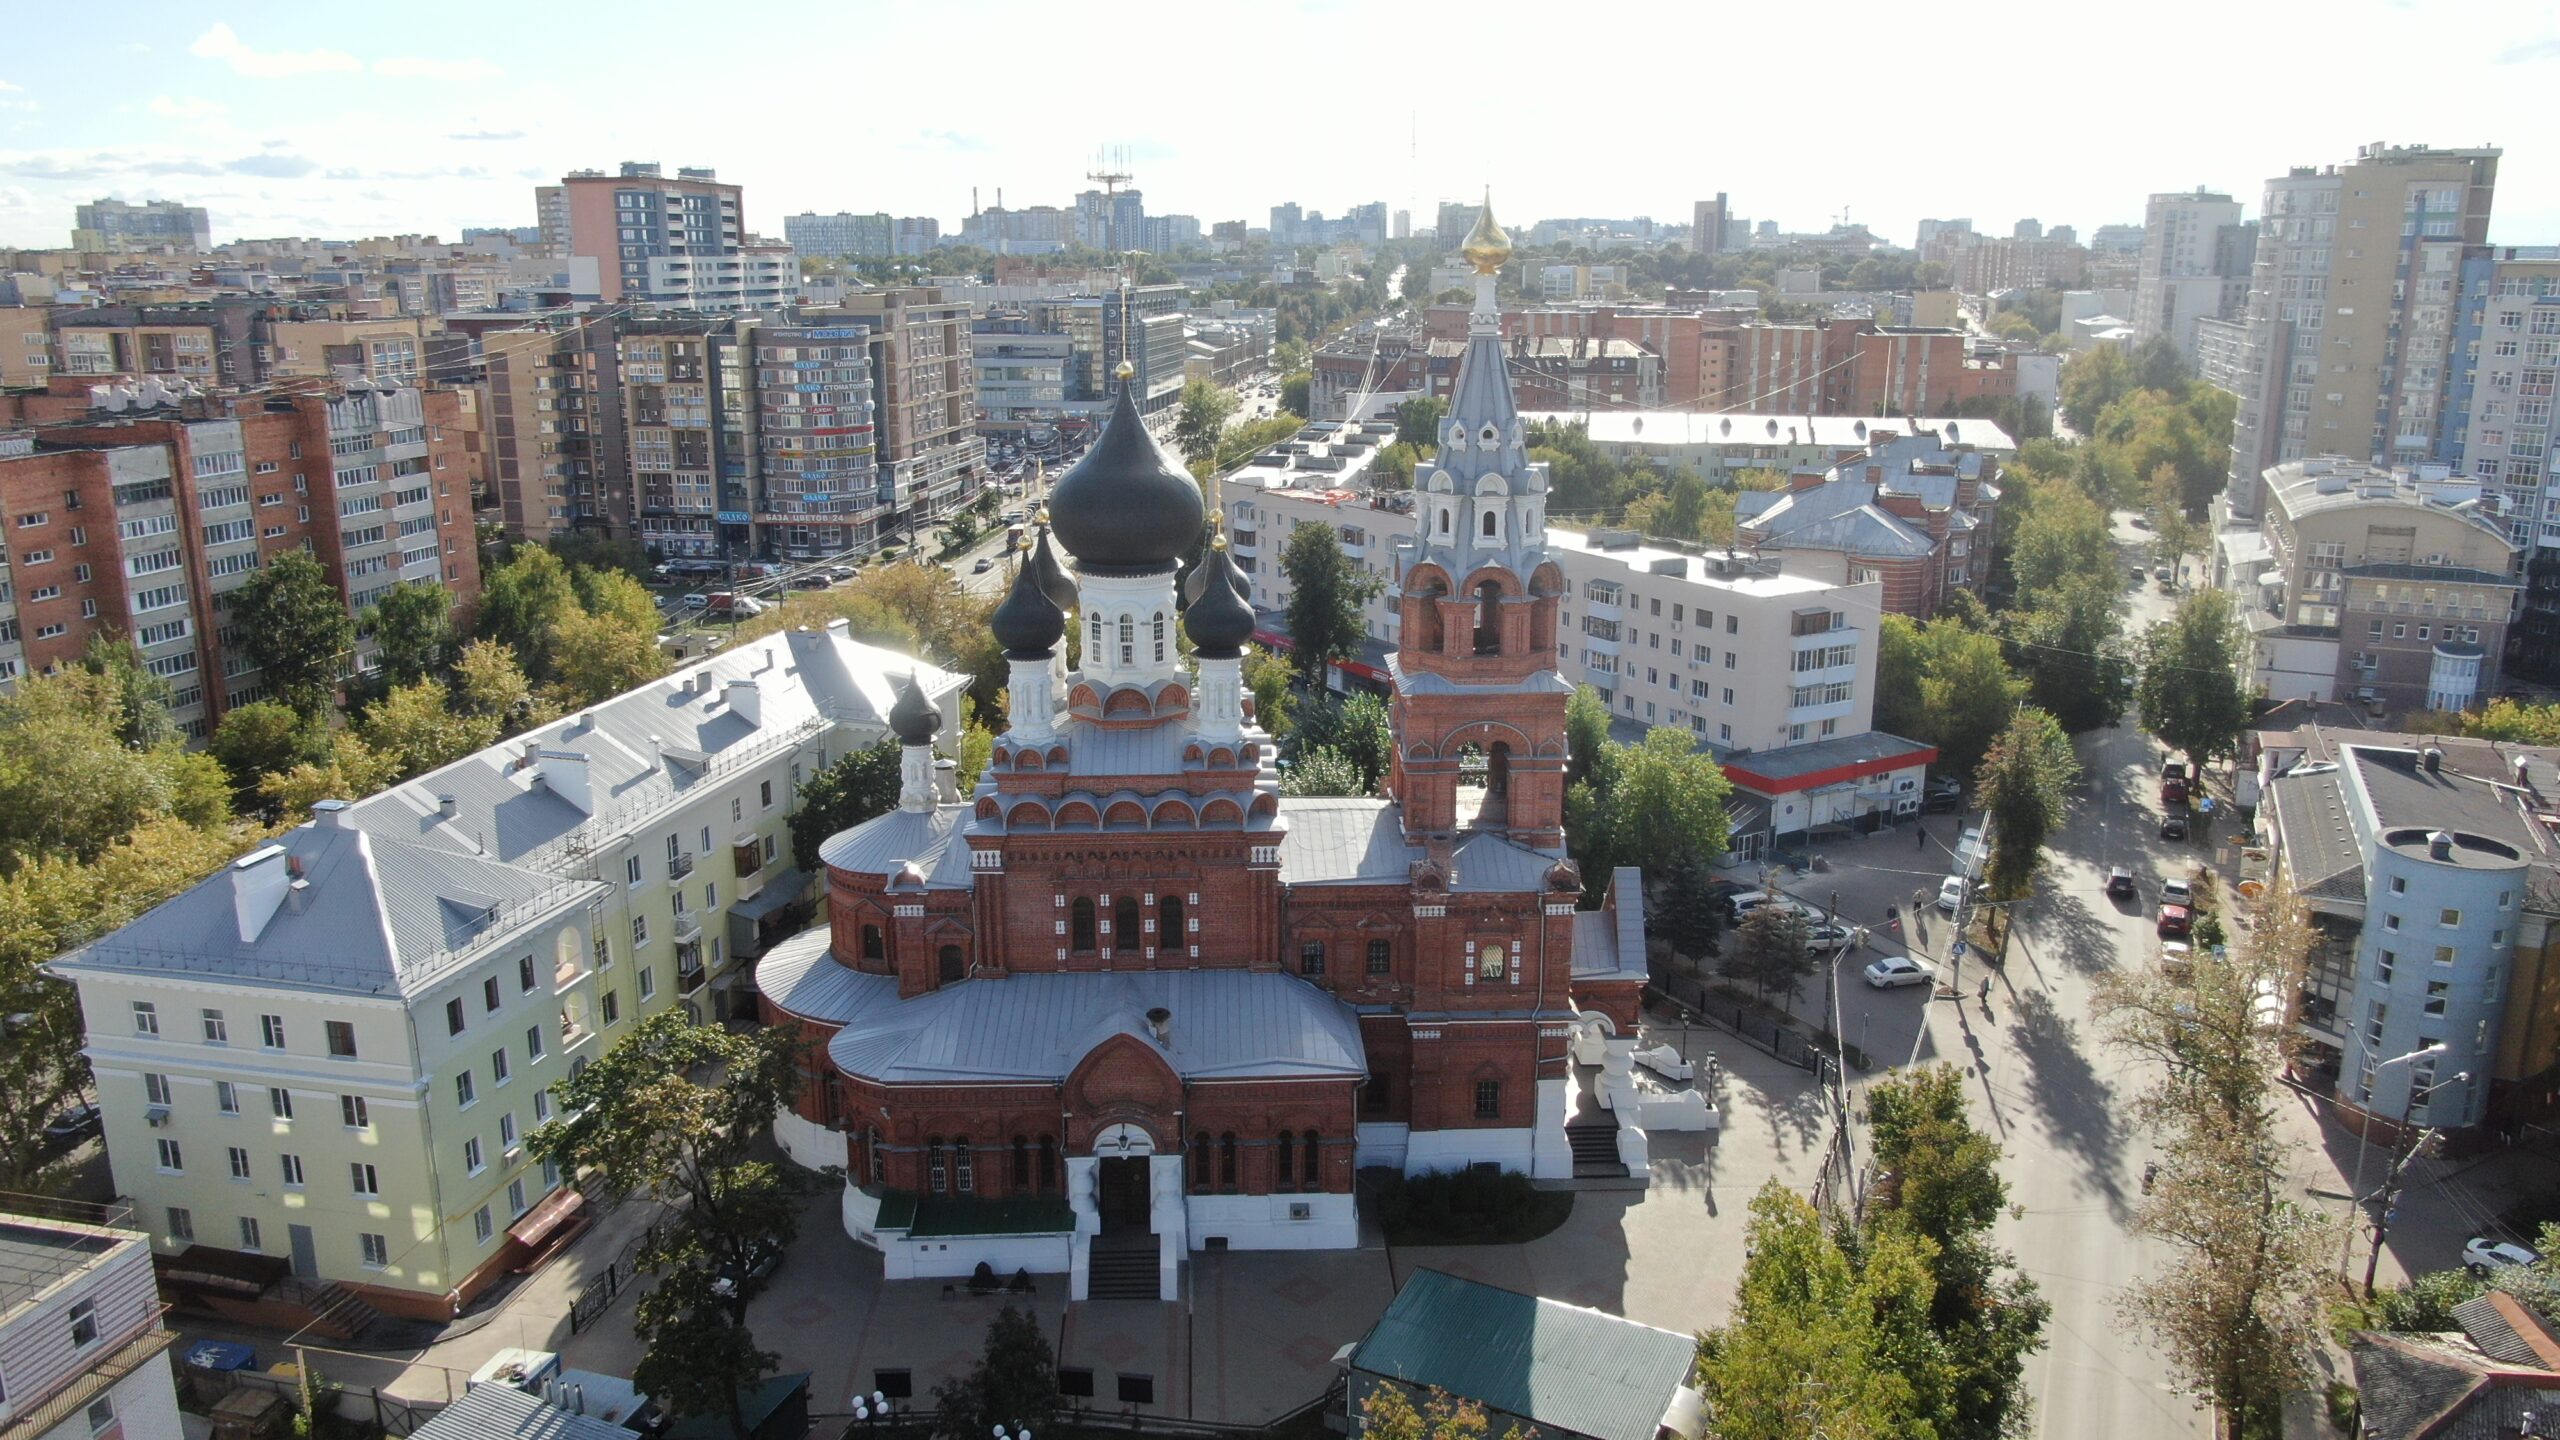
(1124, 924)
(1489, 522)
(879, 1157)
(1128, 639)
(1048, 1163)
(1492, 963)
(1200, 1162)
(1444, 520)
(1311, 1168)
(1169, 920)
(1159, 637)
(1081, 925)
(1227, 1161)
(875, 945)
(1283, 1174)
(1488, 619)
(937, 1174)
(968, 1167)
(1021, 1164)
(1095, 645)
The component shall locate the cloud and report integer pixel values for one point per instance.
(223, 44)
(420, 67)
(950, 140)
(6, 87)
(272, 167)
(486, 135)
(192, 107)
(2530, 51)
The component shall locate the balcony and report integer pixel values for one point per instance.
(688, 981)
(688, 929)
(679, 865)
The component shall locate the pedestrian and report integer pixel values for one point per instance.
(1919, 837)
(1986, 992)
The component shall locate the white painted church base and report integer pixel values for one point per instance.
(1551, 1157)
(1275, 1222)
(1382, 1144)
(809, 1144)
(1428, 1150)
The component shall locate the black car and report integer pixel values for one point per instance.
(2173, 826)
(748, 1276)
(77, 1125)
(2120, 883)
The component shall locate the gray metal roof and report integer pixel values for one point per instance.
(1226, 1025)
(885, 844)
(503, 1412)
(1340, 841)
(374, 916)
(2319, 844)
(1489, 864)
(1561, 1367)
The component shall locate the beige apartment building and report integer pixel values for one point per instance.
(26, 346)
(925, 372)
(551, 429)
(391, 349)
(2362, 583)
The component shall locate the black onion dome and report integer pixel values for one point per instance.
(913, 719)
(1055, 582)
(1028, 624)
(1127, 508)
(1219, 621)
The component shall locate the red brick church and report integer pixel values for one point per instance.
(1127, 1000)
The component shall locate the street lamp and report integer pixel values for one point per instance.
(2355, 1192)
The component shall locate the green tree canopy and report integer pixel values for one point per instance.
(1418, 422)
(2070, 647)
(1328, 596)
(859, 785)
(1356, 729)
(1270, 677)
(413, 623)
(2064, 536)
(1772, 951)
(697, 1359)
(417, 727)
(2024, 785)
(1200, 419)
(296, 629)
(1014, 1383)
(521, 601)
(2192, 692)
(142, 699)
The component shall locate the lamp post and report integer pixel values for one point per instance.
(2391, 1184)
(2355, 1191)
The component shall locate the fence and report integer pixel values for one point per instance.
(359, 1405)
(1079, 1424)
(597, 1295)
(1740, 1018)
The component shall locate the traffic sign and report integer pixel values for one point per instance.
(1959, 951)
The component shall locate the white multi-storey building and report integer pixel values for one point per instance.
(2194, 266)
(83, 1355)
(332, 1052)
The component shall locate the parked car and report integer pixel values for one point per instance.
(2177, 956)
(2173, 826)
(811, 580)
(2119, 883)
(696, 600)
(2480, 1255)
(2177, 892)
(762, 1259)
(2177, 920)
(2141, 522)
(80, 1123)
(1891, 972)
(1750, 900)
(842, 572)
(1951, 893)
(2161, 574)
(985, 564)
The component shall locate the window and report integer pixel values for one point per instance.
(216, 1030)
(524, 974)
(648, 991)
(533, 1041)
(376, 1250)
(1492, 962)
(465, 1092)
(353, 1113)
(631, 870)
(1200, 1162)
(1488, 1099)
(1284, 1157)
(1381, 956)
(764, 794)
(239, 1163)
(182, 1223)
(155, 1087)
(280, 1100)
(1311, 958)
(489, 994)
(226, 1097)
(937, 1175)
(1081, 926)
(483, 1226)
(292, 1168)
(1227, 1161)
(2448, 918)
(250, 1239)
(1124, 923)
(965, 1172)
(2444, 954)
(2382, 963)
(2438, 992)
(499, 1070)
(612, 1007)
(1169, 921)
(1311, 1165)
(84, 1324)
(363, 1179)
(102, 1413)
(2399, 885)
(473, 1162)
(172, 1160)
(342, 1039)
(639, 931)
(146, 1018)
(515, 1196)
(507, 1132)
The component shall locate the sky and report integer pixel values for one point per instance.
(343, 121)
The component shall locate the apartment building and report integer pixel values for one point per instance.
(841, 235)
(332, 1051)
(143, 522)
(929, 458)
(1914, 512)
(1022, 372)
(2195, 263)
(673, 417)
(2390, 588)
(26, 346)
(2497, 426)
(672, 240)
(555, 438)
(1723, 445)
(2428, 867)
(1771, 667)
(207, 343)
(2352, 306)
(83, 1353)
(113, 225)
(816, 471)
(1141, 324)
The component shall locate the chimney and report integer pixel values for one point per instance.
(657, 753)
(747, 702)
(1160, 1021)
(447, 806)
(946, 780)
(564, 772)
(2435, 760)
(259, 880)
(333, 815)
(2440, 846)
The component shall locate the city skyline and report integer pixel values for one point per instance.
(282, 124)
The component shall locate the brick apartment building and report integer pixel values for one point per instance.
(143, 517)
(1913, 513)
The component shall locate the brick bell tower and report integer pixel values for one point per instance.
(1477, 594)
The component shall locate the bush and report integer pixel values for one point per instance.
(1476, 1206)
(2425, 1304)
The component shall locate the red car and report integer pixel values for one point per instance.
(2176, 920)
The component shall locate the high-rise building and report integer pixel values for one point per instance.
(2116, 240)
(816, 468)
(2195, 263)
(2027, 228)
(830, 237)
(680, 241)
(1707, 225)
(1285, 223)
(551, 218)
(929, 457)
(1404, 225)
(1931, 231)
(114, 225)
(2351, 308)
(554, 419)
(2497, 426)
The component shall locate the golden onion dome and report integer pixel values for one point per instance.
(1487, 247)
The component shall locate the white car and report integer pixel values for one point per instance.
(2177, 892)
(1750, 900)
(2480, 1255)
(1889, 972)
(1951, 893)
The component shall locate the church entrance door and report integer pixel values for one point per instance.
(1123, 1199)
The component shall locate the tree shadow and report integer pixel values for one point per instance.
(2062, 926)
(2078, 1108)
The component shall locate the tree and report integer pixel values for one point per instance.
(2064, 536)
(1772, 951)
(1322, 771)
(1270, 677)
(1328, 593)
(1357, 729)
(1199, 421)
(2024, 786)
(1966, 694)
(1014, 1384)
(295, 629)
(417, 727)
(262, 737)
(641, 1124)
(698, 1359)
(487, 683)
(1822, 1343)
(1669, 798)
(2191, 691)
(1901, 656)
(1685, 910)
(68, 784)
(2070, 647)
(520, 603)
(1388, 1415)
(2091, 381)
(856, 787)
(413, 623)
(1418, 422)
(588, 550)
(349, 769)
(2517, 722)
(1586, 732)
(142, 699)
(1946, 1188)
(598, 655)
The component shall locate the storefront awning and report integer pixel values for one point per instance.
(546, 1218)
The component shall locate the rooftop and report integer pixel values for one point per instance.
(1757, 428)
(1560, 1367)
(1739, 574)
(37, 1254)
